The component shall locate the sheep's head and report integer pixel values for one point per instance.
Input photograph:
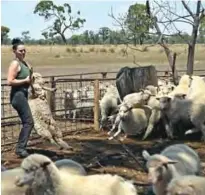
(68, 93)
(178, 186)
(152, 89)
(164, 102)
(38, 79)
(123, 109)
(145, 94)
(157, 166)
(34, 167)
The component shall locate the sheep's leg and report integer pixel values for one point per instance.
(74, 115)
(49, 89)
(117, 133)
(123, 138)
(200, 127)
(168, 127)
(148, 131)
(62, 144)
(117, 121)
(103, 121)
(52, 141)
(150, 125)
(190, 131)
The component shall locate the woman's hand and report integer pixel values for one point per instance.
(27, 79)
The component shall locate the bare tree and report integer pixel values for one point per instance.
(164, 17)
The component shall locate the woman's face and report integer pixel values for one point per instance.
(20, 52)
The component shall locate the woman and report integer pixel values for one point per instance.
(19, 80)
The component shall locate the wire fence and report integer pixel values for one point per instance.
(71, 113)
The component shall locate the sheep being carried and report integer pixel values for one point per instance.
(44, 123)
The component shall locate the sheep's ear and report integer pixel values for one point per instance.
(145, 155)
(172, 87)
(169, 162)
(181, 96)
(172, 162)
(142, 90)
(45, 164)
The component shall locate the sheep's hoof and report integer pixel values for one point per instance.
(109, 132)
(188, 132)
(122, 139)
(110, 138)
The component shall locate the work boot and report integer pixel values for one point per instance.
(22, 153)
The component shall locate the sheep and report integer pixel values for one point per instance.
(186, 185)
(134, 100)
(182, 87)
(196, 89)
(8, 186)
(9, 176)
(175, 160)
(188, 111)
(132, 123)
(44, 123)
(70, 166)
(155, 116)
(188, 84)
(144, 100)
(71, 98)
(43, 177)
(109, 104)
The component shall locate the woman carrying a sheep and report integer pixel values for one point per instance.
(19, 79)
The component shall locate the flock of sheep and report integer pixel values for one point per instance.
(169, 105)
(172, 107)
(176, 170)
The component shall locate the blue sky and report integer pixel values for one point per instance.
(18, 15)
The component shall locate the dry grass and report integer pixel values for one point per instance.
(93, 56)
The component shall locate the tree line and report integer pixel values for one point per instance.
(135, 26)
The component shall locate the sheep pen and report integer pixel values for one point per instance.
(91, 148)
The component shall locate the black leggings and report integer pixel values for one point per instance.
(19, 102)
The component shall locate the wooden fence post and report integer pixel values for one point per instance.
(51, 96)
(96, 105)
(104, 75)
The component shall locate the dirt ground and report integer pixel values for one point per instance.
(99, 155)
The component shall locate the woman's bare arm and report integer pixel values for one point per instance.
(12, 73)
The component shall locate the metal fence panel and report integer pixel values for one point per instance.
(11, 124)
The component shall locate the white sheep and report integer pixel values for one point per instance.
(155, 116)
(109, 104)
(164, 87)
(186, 185)
(134, 100)
(71, 98)
(43, 177)
(133, 122)
(8, 186)
(9, 176)
(196, 89)
(70, 166)
(44, 123)
(188, 85)
(182, 87)
(175, 160)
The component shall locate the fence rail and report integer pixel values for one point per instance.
(87, 112)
